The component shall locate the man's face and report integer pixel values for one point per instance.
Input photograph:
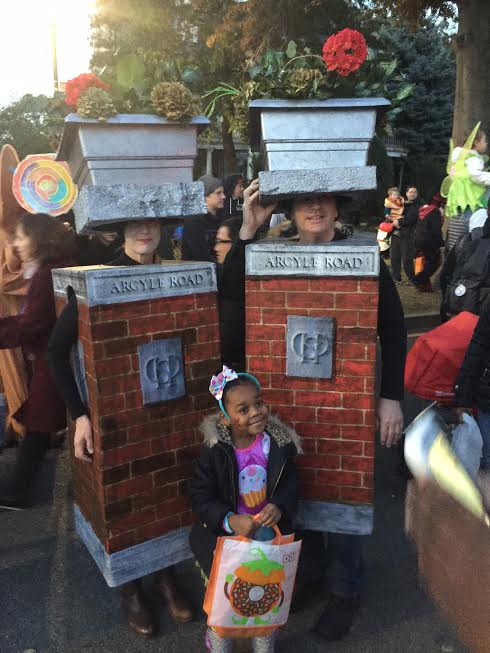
(216, 200)
(412, 194)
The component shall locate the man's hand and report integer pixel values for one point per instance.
(254, 215)
(389, 421)
(83, 440)
(243, 525)
(269, 516)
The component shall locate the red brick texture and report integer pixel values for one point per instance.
(335, 417)
(135, 488)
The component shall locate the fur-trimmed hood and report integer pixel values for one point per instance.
(215, 431)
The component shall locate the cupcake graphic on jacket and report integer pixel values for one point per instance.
(253, 485)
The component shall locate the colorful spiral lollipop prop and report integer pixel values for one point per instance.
(43, 185)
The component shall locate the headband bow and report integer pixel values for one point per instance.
(219, 381)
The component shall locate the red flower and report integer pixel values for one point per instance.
(79, 84)
(345, 51)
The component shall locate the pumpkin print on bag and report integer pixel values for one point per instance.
(256, 588)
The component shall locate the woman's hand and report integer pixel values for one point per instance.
(243, 525)
(254, 215)
(389, 421)
(83, 440)
(269, 516)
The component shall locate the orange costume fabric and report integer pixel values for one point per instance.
(13, 288)
(395, 208)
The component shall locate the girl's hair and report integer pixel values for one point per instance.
(233, 225)
(229, 184)
(394, 189)
(242, 380)
(50, 238)
(479, 135)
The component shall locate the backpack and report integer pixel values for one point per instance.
(469, 286)
(436, 357)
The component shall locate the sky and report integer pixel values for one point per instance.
(25, 44)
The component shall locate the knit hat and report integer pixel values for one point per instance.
(210, 184)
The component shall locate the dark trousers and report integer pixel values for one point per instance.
(432, 262)
(29, 457)
(401, 252)
(336, 556)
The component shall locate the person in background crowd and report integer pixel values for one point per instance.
(141, 238)
(465, 275)
(231, 306)
(233, 187)
(469, 188)
(200, 232)
(394, 207)
(428, 241)
(99, 248)
(312, 220)
(403, 253)
(42, 243)
(472, 385)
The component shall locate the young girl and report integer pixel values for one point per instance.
(245, 480)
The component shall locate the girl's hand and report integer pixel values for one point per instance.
(254, 215)
(83, 440)
(269, 516)
(243, 525)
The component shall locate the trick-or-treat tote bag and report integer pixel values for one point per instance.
(251, 584)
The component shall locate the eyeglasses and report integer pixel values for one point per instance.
(223, 242)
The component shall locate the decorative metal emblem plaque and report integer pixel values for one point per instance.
(161, 370)
(309, 348)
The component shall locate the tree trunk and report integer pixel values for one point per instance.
(472, 101)
(229, 154)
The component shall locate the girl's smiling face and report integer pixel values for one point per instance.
(246, 409)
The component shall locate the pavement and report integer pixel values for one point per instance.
(53, 599)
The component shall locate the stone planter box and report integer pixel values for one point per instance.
(314, 134)
(130, 148)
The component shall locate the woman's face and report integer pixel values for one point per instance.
(222, 244)
(315, 217)
(23, 245)
(141, 237)
(238, 191)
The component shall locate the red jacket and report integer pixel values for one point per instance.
(43, 410)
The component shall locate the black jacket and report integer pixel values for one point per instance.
(214, 484)
(428, 232)
(409, 220)
(391, 322)
(473, 382)
(199, 236)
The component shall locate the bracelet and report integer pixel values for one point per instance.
(226, 523)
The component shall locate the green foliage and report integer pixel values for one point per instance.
(423, 119)
(33, 124)
(95, 103)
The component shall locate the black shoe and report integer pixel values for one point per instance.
(304, 593)
(337, 618)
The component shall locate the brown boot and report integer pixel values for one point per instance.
(137, 614)
(167, 590)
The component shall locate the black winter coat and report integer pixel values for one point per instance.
(199, 236)
(214, 485)
(409, 220)
(473, 382)
(428, 232)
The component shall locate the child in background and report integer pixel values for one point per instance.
(245, 480)
(394, 207)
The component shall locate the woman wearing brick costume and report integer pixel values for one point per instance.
(312, 220)
(244, 482)
(141, 239)
(42, 244)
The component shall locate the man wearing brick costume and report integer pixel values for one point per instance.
(312, 220)
(141, 239)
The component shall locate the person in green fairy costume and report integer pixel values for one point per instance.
(467, 185)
